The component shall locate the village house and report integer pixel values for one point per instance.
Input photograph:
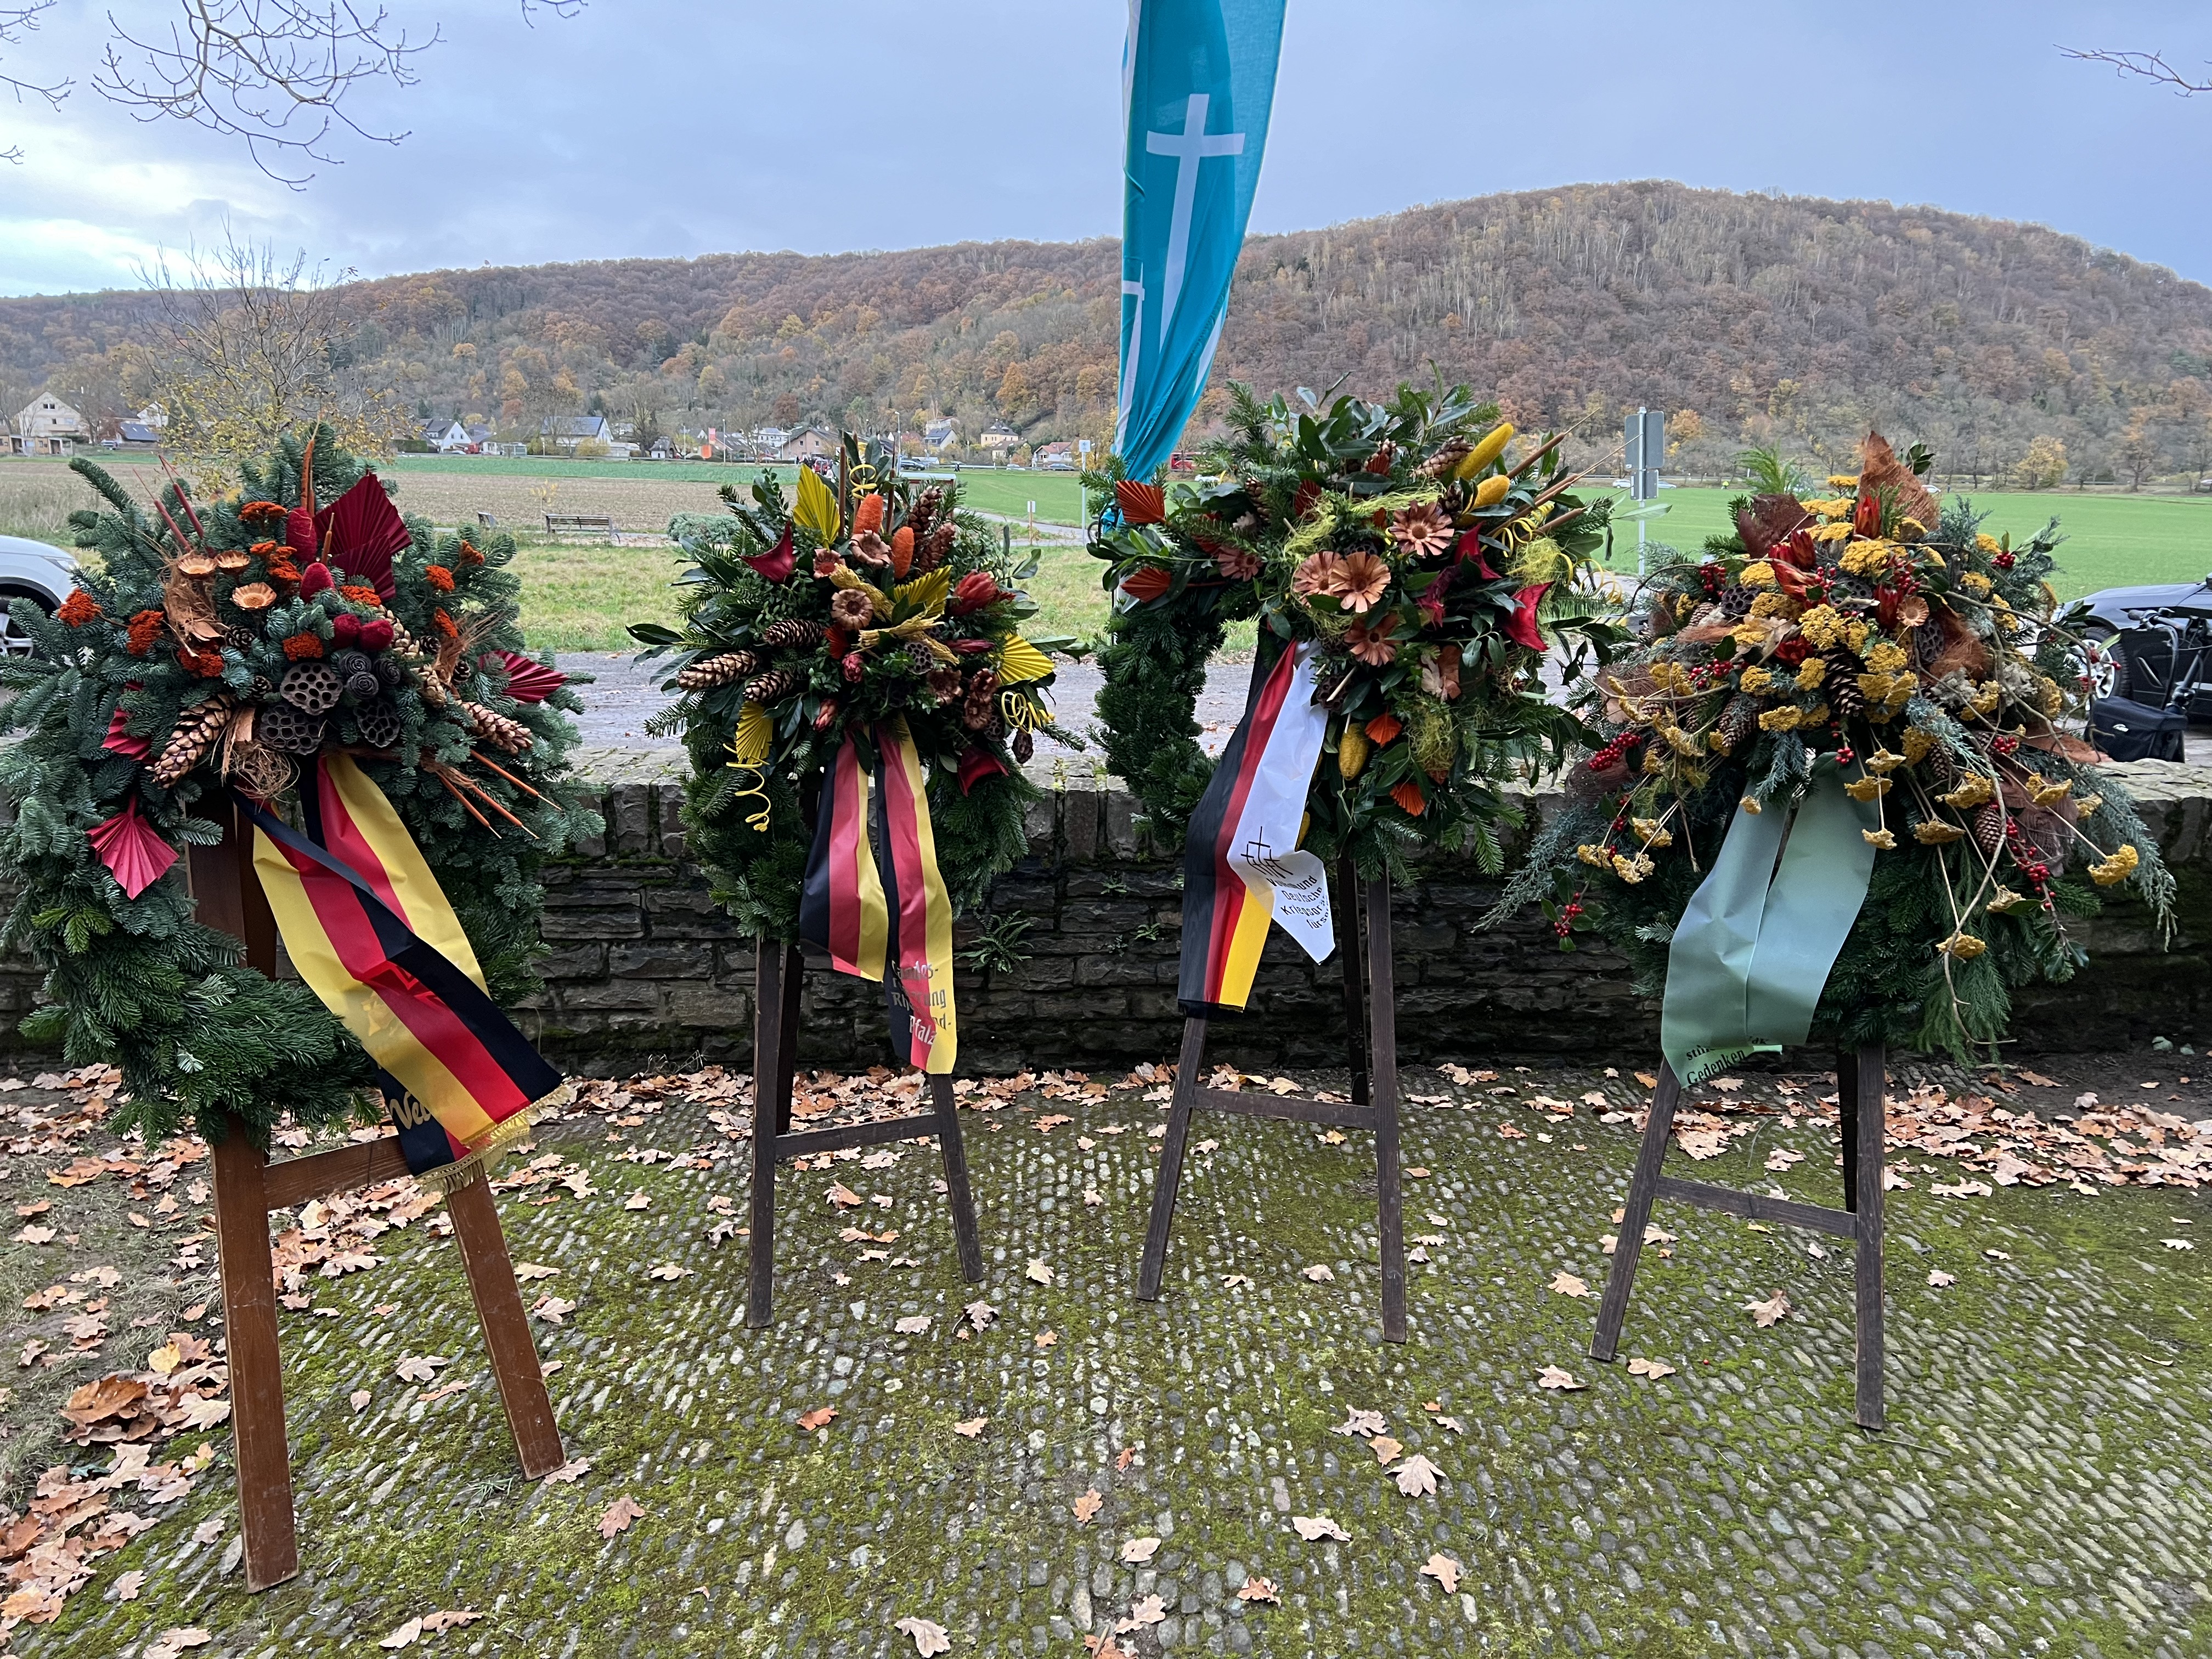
(808, 443)
(47, 426)
(446, 437)
(941, 435)
(565, 432)
(999, 438)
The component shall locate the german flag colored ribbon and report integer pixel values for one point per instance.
(1241, 865)
(372, 935)
(873, 896)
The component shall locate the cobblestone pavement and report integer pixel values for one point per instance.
(2041, 1489)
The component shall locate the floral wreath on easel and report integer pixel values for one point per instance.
(359, 688)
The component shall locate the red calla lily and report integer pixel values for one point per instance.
(976, 765)
(1521, 626)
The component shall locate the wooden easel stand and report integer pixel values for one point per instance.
(1861, 1083)
(248, 1186)
(1371, 1021)
(779, 974)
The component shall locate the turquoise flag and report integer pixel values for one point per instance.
(1198, 79)
(1753, 951)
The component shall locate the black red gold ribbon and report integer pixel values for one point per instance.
(874, 898)
(367, 925)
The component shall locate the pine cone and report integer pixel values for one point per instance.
(498, 730)
(1441, 464)
(792, 633)
(1738, 721)
(935, 547)
(725, 670)
(774, 686)
(1986, 823)
(282, 726)
(312, 687)
(1845, 700)
(925, 507)
(195, 734)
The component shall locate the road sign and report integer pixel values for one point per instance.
(1645, 437)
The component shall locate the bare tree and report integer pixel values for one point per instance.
(18, 19)
(275, 73)
(2150, 65)
(247, 352)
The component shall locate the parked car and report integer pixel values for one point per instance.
(37, 571)
(2104, 614)
(2150, 644)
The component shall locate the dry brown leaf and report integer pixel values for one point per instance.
(1565, 1284)
(971, 1427)
(929, 1636)
(1417, 1477)
(819, 1417)
(127, 1586)
(1765, 1313)
(1321, 1273)
(1256, 1589)
(1556, 1377)
(1313, 1528)
(420, 1368)
(1444, 1571)
(405, 1637)
(451, 1619)
(620, 1513)
(844, 1196)
(1038, 1273)
(1086, 1507)
(669, 1271)
(359, 1400)
(568, 1474)
(1138, 1551)
(912, 1325)
(1385, 1449)
(1654, 1368)
(1047, 1338)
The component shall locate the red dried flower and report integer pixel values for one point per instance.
(444, 625)
(145, 629)
(1384, 727)
(78, 609)
(1146, 581)
(1141, 503)
(207, 665)
(439, 577)
(975, 590)
(300, 646)
(468, 554)
(370, 596)
(261, 510)
(1410, 798)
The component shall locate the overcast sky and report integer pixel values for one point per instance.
(670, 127)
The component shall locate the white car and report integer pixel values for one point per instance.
(38, 571)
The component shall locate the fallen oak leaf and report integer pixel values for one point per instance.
(451, 1619)
(971, 1427)
(420, 1368)
(1313, 1528)
(1417, 1477)
(1444, 1571)
(1938, 1279)
(359, 1400)
(1086, 1508)
(1565, 1284)
(1256, 1589)
(820, 1416)
(1385, 1449)
(912, 1325)
(1038, 1273)
(1321, 1272)
(929, 1636)
(1557, 1377)
(669, 1271)
(127, 1586)
(405, 1637)
(1137, 1552)
(568, 1474)
(1650, 1368)
(620, 1513)
(1149, 1610)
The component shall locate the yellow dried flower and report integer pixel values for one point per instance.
(1887, 658)
(1683, 741)
(1985, 543)
(1881, 763)
(1814, 670)
(1856, 636)
(1861, 558)
(1756, 680)
(1832, 507)
(1917, 743)
(2088, 804)
(1784, 719)
(1632, 871)
(2049, 699)
(1773, 605)
(1594, 855)
(2107, 872)
(1760, 574)
(1963, 947)
(1867, 788)
(1843, 481)
(1937, 833)
(1913, 528)
(1823, 625)
(2005, 901)
(1985, 700)
(1750, 805)
(2043, 792)
(1881, 838)
(1651, 835)
(1974, 582)
(1973, 790)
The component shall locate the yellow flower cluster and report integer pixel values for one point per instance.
(2106, 872)
(1885, 840)
(1937, 833)
(1917, 743)
(1868, 789)
(1962, 947)
(1832, 507)
(1784, 719)
(1887, 658)
(1831, 532)
(1984, 701)
(1974, 582)
(1843, 481)
(2004, 901)
(1773, 605)
(1865, 558)
(1650, 834)
(1814, 670)
(1756, 680)
(1632, 871)
(1673, 678)
(2044, 792)
(1985, 543)
(1823, 625)
(1974, 790)
(1758, 574)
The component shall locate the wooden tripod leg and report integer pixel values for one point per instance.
(515, 1365)
(954, 1150)
(1873, 1079)
(1382, 1018)
(1847, 1121)
(256, 1377)
(768, 1037)
(1168, 1176)
(1355, 992)
(1643, 1187)
(794, 980)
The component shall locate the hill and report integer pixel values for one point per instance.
(2017, 352)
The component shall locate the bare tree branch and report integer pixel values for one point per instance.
(272, 72)
(18, 19)
(2150, 65)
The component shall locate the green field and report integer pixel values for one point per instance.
(2112, 541)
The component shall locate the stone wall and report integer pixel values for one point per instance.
(643, 962)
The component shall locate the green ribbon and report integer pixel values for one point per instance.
(1755, 944)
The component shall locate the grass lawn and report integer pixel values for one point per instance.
(582, 596)
(2112, 541)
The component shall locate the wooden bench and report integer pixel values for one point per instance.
(558, 524)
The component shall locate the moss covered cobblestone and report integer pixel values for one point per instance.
(2041, 1490)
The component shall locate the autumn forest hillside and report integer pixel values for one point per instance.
(2019, 354)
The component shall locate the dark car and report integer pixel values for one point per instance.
(2106, 613)
(2147, 643)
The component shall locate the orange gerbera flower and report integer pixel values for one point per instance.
(1316, 573)
(1422, 531)
(78, 609)
(1362, 579)
(1372, 646)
